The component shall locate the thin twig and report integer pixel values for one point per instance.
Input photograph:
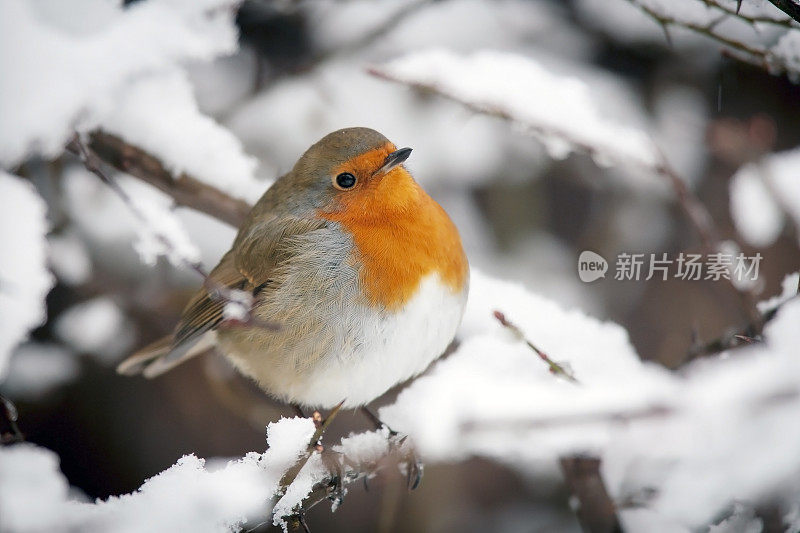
(752, 54)
(555, 368)
(314, 445)
(751, 19)
(750, 334)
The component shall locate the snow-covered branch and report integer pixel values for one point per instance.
(709, 17)
(558, 111)
(159, 237)
(790, 7)
(185, 190)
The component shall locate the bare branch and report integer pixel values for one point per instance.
(314, 445)
(555, 368)
(750, 334)
(755, 55)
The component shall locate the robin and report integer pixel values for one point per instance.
(361, 270)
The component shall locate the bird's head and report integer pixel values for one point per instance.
(357, 170)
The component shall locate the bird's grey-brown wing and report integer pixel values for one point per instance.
(267, 244)
(201, 314)
(247, 266)
(204, 310)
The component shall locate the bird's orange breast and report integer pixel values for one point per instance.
(401, 235)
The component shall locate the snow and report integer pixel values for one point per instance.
(238, 305)
(33, 492)
(102, 215)
(69, 258)
(37, 368)
(676, 435)
(756, 214)
(476, 396)
(313, 472)
(669, 436)
(364, 448)
(59, 76)
(160, 233)
(191, 495)
(789, 289)
(786, 53)
(24, 278)
(160, 115)
(743, 520)
(558, 110)
(763, 193)
(97, 327)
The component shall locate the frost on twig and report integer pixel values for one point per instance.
(557, 369)
(323, 474)
(24, 277)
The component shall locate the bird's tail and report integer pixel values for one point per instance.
(136, 363)
(163, 355)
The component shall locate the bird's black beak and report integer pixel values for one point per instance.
(393, 159)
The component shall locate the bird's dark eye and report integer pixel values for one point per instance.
(345, 180)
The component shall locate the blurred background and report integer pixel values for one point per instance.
(300, 73)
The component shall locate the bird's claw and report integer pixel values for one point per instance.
(413, 466)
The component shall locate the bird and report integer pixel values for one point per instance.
(361, 272)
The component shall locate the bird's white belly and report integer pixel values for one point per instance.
(388, 348)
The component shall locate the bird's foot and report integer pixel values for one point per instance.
(404, 449)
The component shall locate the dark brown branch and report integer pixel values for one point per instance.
(595, 510)
(184, 189)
